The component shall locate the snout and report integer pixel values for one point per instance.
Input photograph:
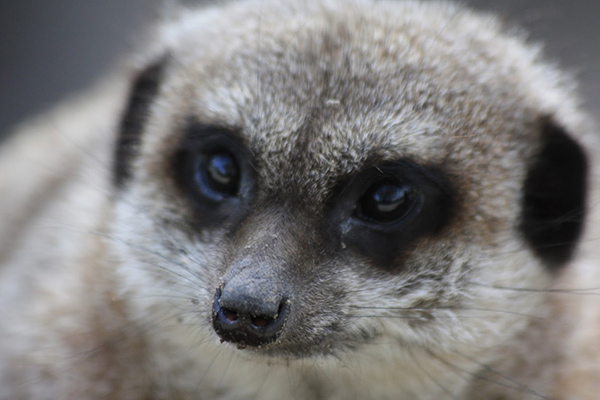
(249, 315)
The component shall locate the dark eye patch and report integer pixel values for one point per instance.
(379, 211)
(213, 168)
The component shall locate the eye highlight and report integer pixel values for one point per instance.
(385, 202)
(217, 175)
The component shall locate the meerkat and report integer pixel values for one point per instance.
(335, 199)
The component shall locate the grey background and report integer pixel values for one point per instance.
(49, 49)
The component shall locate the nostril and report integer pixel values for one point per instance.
(261, 322)
(264, 320)
(230, 315)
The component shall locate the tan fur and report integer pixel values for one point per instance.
(106, 292)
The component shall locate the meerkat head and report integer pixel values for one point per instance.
(311, 178)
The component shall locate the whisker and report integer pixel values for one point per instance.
(579, 292)
(195, 284)
(448, 308)
(515, 386)
(518, 385)
(430, 376)
(257, 394)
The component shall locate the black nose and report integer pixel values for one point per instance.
(247, 319)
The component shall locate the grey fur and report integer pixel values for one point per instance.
(107, 292)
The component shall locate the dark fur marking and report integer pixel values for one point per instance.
(142, 94)
(199, 141)
(385, 244)
(554, 200)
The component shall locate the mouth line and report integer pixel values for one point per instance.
(328, 348)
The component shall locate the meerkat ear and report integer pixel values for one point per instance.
(141, 96)
(555, 195)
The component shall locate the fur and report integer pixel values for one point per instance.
(108, 273)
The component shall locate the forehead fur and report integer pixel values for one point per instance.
(328, 86)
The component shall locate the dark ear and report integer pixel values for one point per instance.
(141, 96)
(555, 196)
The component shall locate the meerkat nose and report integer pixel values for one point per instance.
(248, 318)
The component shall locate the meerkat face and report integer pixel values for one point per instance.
(309, 180)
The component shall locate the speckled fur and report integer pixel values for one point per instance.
(107, 293)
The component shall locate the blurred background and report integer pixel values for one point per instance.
(49, 49)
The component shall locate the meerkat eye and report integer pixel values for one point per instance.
(385, 202)
(217, 175)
